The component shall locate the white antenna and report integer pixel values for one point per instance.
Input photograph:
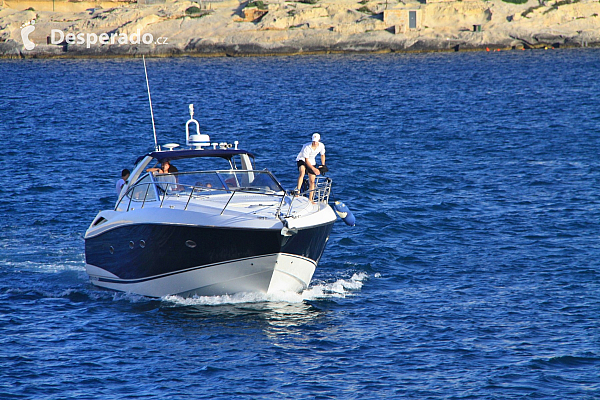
(150, 100)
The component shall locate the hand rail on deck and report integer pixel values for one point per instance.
(321, 192)
(165, 190)
(162, 190)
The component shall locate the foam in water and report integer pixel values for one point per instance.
(51, 268)
(339, 288)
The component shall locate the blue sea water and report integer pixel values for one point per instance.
(473, 271)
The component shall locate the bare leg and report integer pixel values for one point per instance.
(311, 186)
(301, 170)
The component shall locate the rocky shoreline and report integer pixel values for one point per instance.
(231, 28)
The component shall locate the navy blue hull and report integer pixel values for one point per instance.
(145, 250)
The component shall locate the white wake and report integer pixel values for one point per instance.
(321, 290)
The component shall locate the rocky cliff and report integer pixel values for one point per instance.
(286, 27)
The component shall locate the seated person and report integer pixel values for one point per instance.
(165, 168)
(170, 181)
(306, 163)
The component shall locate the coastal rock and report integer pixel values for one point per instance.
(462, 15)
(300, 28)
(140, 24)
(10, 49)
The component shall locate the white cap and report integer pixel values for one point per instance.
(316, 137)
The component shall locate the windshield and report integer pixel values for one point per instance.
(154, 187)
(258, 181)
(143, 190)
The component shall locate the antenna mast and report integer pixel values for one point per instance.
(150, 101)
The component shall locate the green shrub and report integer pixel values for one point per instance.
(560, 3)
(193, 10)
(365, 9)
(530, 10)
(258, 4)
(515, 1)
(564, 2)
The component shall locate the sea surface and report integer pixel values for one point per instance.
(473, 271)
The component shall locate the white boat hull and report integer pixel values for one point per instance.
(265, 274)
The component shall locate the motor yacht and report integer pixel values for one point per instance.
(216, 226)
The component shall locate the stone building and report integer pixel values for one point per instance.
(404, 18)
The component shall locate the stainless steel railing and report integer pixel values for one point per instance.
(320, 193)
(148, 192)
(165, 186)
